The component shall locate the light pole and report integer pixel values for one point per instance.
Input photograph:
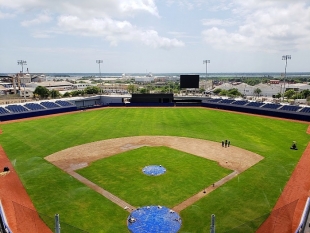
(98, 62)
(285, 57)
(206, 62)
(22, 63)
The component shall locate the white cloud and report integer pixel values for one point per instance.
(115, 31)
(218, 22)
(40, 19)
(4, 15)
(82, 8)
(92, 18)
(269, 26)
(139, 5)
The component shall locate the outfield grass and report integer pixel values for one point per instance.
(122, 175)
(250, 195)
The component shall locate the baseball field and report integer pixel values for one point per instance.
(45, 152)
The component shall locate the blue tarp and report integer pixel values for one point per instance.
(154, 170)
(154, 219)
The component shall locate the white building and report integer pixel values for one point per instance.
(81, 86)
(52, 85)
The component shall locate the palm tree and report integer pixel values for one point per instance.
(257, 91)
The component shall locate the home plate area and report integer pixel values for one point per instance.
(154, 219)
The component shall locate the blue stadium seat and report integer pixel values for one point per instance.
(34, 106)
(3, 111)
(227, 101)
(290, 108)
(63, 103)
(16, 108)
(305, 110)
(271, 106)
(50, 104)
(240, 102)
(255, 104)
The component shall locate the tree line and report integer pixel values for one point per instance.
(43, 92)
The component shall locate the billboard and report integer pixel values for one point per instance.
(189, 81)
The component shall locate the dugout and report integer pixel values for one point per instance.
(151, 98)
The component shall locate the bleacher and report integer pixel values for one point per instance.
(226, 101)
(271, 106)
(50, 104)
(305, 110)
(63, 103)
(255, 104)
(240, 102)
(34, 106)
(16, 108)
(290, 108)
(3, 111)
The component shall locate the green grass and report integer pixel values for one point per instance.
(122, 175)
(248, 196)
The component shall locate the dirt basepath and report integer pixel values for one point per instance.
(233, 158)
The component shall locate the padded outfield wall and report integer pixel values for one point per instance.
(260, 111)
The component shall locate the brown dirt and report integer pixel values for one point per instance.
(233, 158)
(19, 210)
(296, 189)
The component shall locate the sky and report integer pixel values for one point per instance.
(158, 36)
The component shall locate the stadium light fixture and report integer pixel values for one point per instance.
(22, 63)
(285, 57)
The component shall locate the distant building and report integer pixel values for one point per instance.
(39, 78)
(81, 86)
(274, 81)
(268, 90)
(52, 85)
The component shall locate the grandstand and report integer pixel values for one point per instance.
(46, 107)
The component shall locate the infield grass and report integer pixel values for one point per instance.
(249, 196)
(122, 175)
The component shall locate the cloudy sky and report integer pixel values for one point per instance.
(137, 36)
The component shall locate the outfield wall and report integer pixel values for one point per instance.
(259, 111)
(21, 115)
(119, 101)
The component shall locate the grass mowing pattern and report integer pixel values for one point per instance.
(244, 198)
(185, 176)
